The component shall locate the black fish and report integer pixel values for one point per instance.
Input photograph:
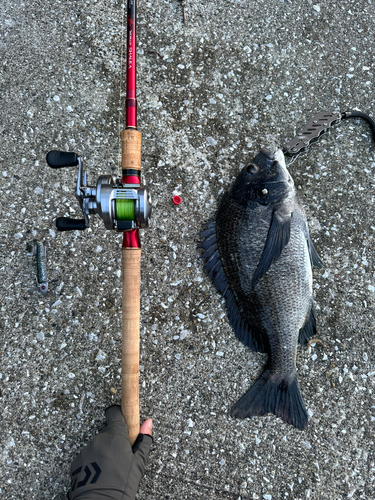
(259, 255)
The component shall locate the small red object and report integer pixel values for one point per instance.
(176, 200)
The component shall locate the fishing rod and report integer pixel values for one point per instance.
(125, 206)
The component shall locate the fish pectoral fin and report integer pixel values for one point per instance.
(278, 237)
(281, 397)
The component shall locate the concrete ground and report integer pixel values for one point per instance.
(232, 77)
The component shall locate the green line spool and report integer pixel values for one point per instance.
(125, 209)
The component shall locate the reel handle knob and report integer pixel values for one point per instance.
(67, 224)
(60, 159)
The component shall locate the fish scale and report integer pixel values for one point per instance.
(259, 255)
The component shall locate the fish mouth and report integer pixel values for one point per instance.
(267, 153)
(275, 166)
(277, 156)
(283, 175)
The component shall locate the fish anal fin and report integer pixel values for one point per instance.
(278, 237)
(247, 335)
(309, 328)
(270, 394)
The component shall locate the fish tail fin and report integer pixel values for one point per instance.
(270, 394)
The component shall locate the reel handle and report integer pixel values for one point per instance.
(60, 159)
(68, 224)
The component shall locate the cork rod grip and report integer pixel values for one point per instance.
(131, 270)
(131, 149)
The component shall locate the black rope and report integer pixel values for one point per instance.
(359, 114)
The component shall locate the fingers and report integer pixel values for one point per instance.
(141, 450)
(146, 427)
(143, 443)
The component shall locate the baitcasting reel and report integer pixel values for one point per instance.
(123, 207)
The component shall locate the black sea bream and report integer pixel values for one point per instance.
(259, 255)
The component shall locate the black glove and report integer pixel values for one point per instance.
(108, 467)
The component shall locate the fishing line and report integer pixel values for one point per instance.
(125, 209)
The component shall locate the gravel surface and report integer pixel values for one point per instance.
(232, 77)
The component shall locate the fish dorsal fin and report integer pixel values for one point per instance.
(314, 257)
(214, 267)
(278, 237)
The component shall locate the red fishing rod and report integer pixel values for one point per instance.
(131, 247)
(125, 206)
(131, 68)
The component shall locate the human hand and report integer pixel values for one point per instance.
(108, 466)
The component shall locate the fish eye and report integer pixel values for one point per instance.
(252, 169)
